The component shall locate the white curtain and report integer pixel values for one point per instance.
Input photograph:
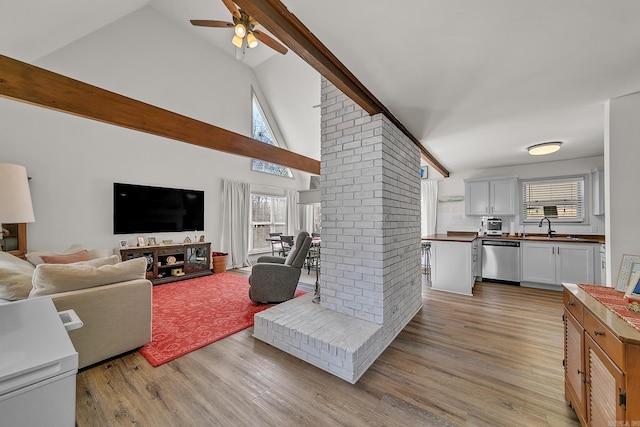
(429, 202)
(293, 213)
(236, 222)
(306, 215)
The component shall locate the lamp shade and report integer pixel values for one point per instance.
(15, 197)
(237, 41)
(251, 41)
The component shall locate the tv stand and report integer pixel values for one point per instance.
(170, 263)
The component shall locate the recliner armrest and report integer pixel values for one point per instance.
(271, 259)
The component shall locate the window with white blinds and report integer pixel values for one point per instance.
(560, 199)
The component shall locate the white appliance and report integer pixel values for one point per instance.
(38, 366)
(494, 227)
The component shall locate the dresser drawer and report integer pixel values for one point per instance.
(170, 251)
(574, 306)
(605, 339)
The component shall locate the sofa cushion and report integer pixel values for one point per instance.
(66, 258)
(15, 277)
(56, 278)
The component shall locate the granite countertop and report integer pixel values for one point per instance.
(470, 236)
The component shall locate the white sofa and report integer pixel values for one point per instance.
(113, 300)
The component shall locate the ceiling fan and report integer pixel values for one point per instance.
(243, 26)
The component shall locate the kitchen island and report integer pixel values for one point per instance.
(452, 262)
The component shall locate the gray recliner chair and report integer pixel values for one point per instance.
(274, 279)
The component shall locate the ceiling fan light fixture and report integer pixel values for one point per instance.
(237, 41)
(252, 41)
(240, 30)
(544, 148)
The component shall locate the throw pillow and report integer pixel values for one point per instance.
(15, 277)
(66, 258)
(35, 257)
(99, 262)
(56, 278)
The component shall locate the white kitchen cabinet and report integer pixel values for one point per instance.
(554, 263)
(495, 196)
(597, 191)
(452, 267)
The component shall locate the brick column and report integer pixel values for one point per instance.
(370, 189)
(370, 258)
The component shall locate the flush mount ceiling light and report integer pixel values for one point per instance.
(544, 148)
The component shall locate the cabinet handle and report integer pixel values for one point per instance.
(597, 333)
(580, 372)
(570, 304)
(553, 250)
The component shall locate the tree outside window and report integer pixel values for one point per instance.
(261, 131)
(268, 215)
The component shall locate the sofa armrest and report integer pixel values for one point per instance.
(116, 317)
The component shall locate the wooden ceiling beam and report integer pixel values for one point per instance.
(286, 27)
(27, 83)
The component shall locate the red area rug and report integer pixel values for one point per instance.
(190, 314)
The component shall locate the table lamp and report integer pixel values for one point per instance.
(15, 197)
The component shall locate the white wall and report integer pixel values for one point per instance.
(622, 151)
(74, 161)
(451, 215)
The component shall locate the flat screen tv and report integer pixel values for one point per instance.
(144, 209)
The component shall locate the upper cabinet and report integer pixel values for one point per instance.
(597, 191)
(491, 196)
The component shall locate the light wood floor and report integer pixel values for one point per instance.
(494, 359)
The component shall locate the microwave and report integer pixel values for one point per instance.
(494, 227)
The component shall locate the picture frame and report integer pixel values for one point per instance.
(123, 244)
(141, 241)
(151, 241)
(633, 288)
(629, 265)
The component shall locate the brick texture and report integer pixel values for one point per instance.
(370, 255)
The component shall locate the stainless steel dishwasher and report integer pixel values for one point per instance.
(501, 261)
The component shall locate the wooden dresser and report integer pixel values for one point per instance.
(601, 361)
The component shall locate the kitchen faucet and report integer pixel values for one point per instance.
(550, 231)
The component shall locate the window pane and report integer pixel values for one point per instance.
(260, 236)
(280, 210)
(261, 131)
(561, 199)
(268, 215)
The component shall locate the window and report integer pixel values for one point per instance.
(268, 215)
(261, 131)
(561, 199)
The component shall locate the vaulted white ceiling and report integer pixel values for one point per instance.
(476, 81)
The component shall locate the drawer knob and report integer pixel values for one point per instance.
(597, 333)
(570, 304)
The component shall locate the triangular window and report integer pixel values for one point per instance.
(261, 131)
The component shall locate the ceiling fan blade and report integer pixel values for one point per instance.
(210, 23)
(232, 8)
(269, 41)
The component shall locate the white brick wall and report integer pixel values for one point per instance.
(370, 211)
(370, 257)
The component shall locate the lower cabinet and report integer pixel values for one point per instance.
(602, 362)
(555, 263)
